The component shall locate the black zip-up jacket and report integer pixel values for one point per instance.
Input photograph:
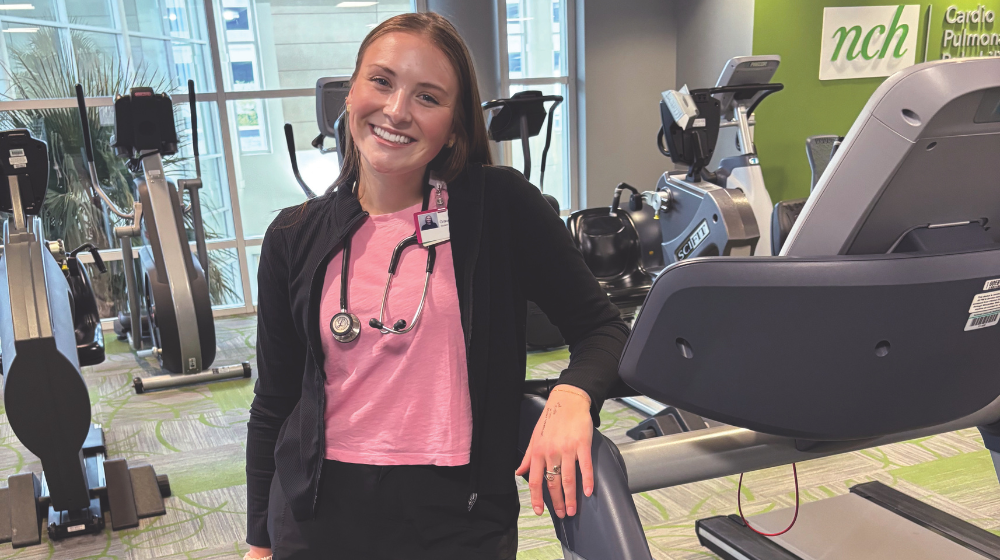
(507, 245)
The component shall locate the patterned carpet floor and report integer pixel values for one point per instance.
(197, 435)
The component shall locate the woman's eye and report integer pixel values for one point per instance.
(429, 99)
(381, 81)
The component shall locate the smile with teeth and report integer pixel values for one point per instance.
(390, 137)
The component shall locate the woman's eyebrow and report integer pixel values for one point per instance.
(425, 85)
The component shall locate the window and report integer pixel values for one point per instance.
(271, 54)
(515, 64)
(536, 60)
(237, 19)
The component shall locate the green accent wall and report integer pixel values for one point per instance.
(808, 106)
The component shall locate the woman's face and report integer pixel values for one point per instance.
(402, 104)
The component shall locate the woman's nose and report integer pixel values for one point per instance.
(397, 108)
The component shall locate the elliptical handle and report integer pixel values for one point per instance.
(82, 106)
(194, 128)
(290, 143)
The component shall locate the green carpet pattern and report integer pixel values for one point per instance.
(197, 437)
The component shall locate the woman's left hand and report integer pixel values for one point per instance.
(562, 437)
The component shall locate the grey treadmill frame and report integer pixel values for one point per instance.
(851, 187)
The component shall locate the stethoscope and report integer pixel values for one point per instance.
(345, 325)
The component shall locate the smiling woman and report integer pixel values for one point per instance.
(422, 74)
(399, 441)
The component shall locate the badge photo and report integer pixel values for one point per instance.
(432, 226)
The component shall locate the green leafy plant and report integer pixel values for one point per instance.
(38, 70)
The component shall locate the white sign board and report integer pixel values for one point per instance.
(868, 41)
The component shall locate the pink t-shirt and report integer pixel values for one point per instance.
(396, 399)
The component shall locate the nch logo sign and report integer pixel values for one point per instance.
(868, 41)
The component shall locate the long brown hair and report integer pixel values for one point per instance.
(471, 142)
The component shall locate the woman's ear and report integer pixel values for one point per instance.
(347, 100)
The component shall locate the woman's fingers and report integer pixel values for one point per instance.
(555, 485)
(526, 461)
(586, 468)
(535, 483)
(569, 481)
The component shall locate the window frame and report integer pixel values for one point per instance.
(216, 93)
(568, 82)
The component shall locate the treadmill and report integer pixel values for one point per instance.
(882, 301)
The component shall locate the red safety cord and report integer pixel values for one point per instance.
(739, 489)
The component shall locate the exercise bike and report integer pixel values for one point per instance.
(169, 310)
(49, 328)
(726, 212)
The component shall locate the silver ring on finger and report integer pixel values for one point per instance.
(551, 475)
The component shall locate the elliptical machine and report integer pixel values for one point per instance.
(49, 327)
(521, 117)
(169, 310)
(331, 95)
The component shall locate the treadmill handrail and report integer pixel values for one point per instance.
(687, 457)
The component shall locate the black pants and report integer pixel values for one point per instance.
(395, 513)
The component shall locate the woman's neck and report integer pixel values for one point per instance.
(386, 194)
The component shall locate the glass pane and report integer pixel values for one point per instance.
(216, 205)
(290, 43)
(264, 178)
(535, 38)
(93, 50)
(225, 283)
(184, 19)
(151, 55)
(35, 53)
(161, 60)
(145, 16)
(191, 62)
(35, 9)
(557, 162)
(96, 13)
(253, 263)
(109, 288)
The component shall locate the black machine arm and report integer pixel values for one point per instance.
(97, 194)
(290, 143)
(634, 200)
(521, 117)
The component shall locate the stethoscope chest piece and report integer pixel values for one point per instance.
(345, 326)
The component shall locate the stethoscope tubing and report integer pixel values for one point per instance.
(393, 265)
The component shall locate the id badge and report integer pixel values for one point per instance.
(432, 226)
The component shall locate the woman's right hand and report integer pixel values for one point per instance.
(259, 552)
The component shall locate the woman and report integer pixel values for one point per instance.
(396, 437)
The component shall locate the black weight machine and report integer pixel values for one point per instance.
(170, 311)
(49, 327)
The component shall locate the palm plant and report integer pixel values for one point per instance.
(40, 72)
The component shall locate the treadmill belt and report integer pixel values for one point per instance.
(929, 517)
(872, 522)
